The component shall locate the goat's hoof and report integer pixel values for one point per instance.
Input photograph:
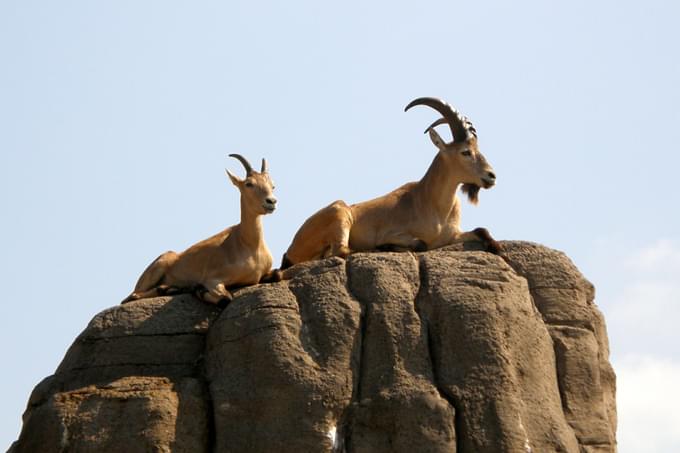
(223, 302)
(483, 234)
(128, 299)
(343, 252)
(199, 292)
(274, 276)
(492, 246)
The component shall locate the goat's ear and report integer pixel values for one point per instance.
(436, 139)
(234, 179)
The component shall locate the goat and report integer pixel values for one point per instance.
(417, 216)
(237, 256)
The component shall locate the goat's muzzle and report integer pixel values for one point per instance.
(489, 180)
(269, 205)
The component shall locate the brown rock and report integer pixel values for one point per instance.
(492, 355)
(444, 351)
(585, 377)
(132, 381)
(280, 362)
(399, 406)
(135, 414)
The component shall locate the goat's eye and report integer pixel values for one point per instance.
(249, 184)
(466, 153)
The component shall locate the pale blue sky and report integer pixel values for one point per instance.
(116, 119)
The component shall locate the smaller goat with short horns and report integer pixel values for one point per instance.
(417, 216)
(237, 256)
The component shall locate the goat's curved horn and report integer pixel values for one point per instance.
(263, 169)
(246, 164)
(457, 123)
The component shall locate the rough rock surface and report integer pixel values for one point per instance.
(445, 351)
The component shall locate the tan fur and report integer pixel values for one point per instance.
(237, 256)
(427, 211)
(331, 225)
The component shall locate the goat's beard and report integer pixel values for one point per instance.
(472, 192)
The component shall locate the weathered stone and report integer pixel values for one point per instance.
(280, 362)
(492, 355)
(163, 336)
(400, 409)
(131, 414)
(132, 381)
(578, 369)
(449, 350)
(565, 299)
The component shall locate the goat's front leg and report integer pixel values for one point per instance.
(479, 235)
(214, 293)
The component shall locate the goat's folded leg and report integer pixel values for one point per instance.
(214, 293)
(479, 235)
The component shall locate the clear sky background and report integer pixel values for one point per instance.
(116, 119)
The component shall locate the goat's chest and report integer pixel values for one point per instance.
(249, 267)
(436, 226)
(429, 226)
(432, 232)
(446, 228)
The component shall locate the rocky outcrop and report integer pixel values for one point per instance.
(446, 351)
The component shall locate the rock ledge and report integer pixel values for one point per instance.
(445, 351)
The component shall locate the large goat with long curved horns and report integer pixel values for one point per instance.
(417, 216)
(237, 256)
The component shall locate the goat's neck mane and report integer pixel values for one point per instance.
(438, 186)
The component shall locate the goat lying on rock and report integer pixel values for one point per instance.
(417, 216)
(237, 256)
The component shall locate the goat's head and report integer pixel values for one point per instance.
(462, 154)
(256, 188)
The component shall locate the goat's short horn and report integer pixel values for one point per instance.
(459, 126)
(244, 161)
(435, 124)
(263, 169)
